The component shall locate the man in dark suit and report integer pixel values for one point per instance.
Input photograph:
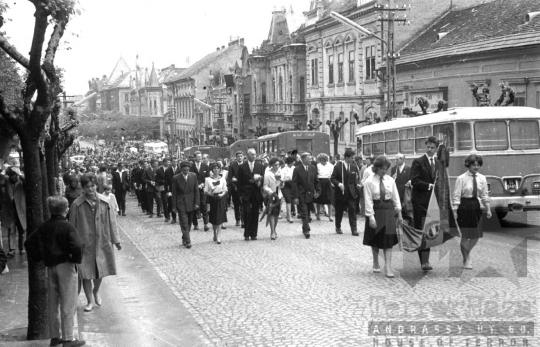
(121, 185)
(170, 172)
(186, 199)
(346, 181)
(402, 175)
(201, 170)
(423, 171)
(250, 179)
(136, 176)
(234, 168)
(306, 187)
(149, 177)
(160, 182)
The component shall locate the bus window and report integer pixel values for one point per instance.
(421, 134)
(366, 138)
(391, 145)
(406, 141)
(378, 148)
(524, 134)
(464, 138)
(448, 131)
(491, 136)
(304, 145)
(367, 150)
(274, 147)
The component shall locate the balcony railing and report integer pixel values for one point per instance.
(280, 108)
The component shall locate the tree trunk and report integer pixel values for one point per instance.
(37, 279)
(336, 142)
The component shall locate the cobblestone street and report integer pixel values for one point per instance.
(322, 291)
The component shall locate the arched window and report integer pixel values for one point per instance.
(280, 88)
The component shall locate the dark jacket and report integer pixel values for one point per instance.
(421, 178)
(202, 173)
(234, 168)
(305, 184)
(121, 183)
(160, 176)
(246, 188)
(401, 180)
(169, 174)
(148, 177)
(185, 194)
(350, 179)
(55, 242)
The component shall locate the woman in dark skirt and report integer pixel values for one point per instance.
(471, 189)
(215, 187)
(383, 210)
(286, 178)
(324, 172)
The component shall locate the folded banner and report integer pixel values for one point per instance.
(440, 224)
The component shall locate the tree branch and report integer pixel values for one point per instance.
(40, 27)
(56, 36)
(14, 53)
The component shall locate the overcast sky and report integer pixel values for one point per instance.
(161, 31)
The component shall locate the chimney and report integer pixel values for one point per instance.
(217, 49)
(241, 42)
(172, 66)
(222, 47)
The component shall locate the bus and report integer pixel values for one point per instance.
(242, 145)
(302, 140)
(213, 152)
(507, 138)
(156, 147)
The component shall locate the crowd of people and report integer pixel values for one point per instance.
(78, 241)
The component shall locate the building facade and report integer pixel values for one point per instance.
(278, 73)
(461, 49)
(193, 93)
(344, 67)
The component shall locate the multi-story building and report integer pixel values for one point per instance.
(344, 67)
(463, 48)
(146, 94)
(278, 73)
(116, 89)
(194, 93)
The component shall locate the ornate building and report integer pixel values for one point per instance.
(345, 69)
(201, 96)
(115, 90)
(278, 74)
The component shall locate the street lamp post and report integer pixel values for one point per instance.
(335, 128)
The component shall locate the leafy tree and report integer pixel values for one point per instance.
(40, 101)
(11, 83)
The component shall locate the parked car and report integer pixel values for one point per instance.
(77, 159)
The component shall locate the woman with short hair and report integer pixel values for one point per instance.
(383, 210)
(287, 189)
(215, 186)
(470, 192)
(272, 191)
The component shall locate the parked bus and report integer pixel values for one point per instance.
(156, 147)
(507, 138)
(303, 141)
(243, 145)
(213, 152)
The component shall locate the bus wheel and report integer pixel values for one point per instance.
(501, 214)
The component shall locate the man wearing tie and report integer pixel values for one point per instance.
(186, 199)
(149, 177)
(121, 185)
(306, 187)
(170, 172)
(250, 176)
(201, 170)
(235, 188)
(423, 171)
(346, 181)
(401, 173)
(160, 178)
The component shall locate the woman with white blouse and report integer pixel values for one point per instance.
(324, 172)
(470, 192)
(215, 187)
(383, 210)
(286, 178)
(272, 192)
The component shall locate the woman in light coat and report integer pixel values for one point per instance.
(91, 215)
(272, 192)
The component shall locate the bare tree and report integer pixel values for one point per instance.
(40, 96)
